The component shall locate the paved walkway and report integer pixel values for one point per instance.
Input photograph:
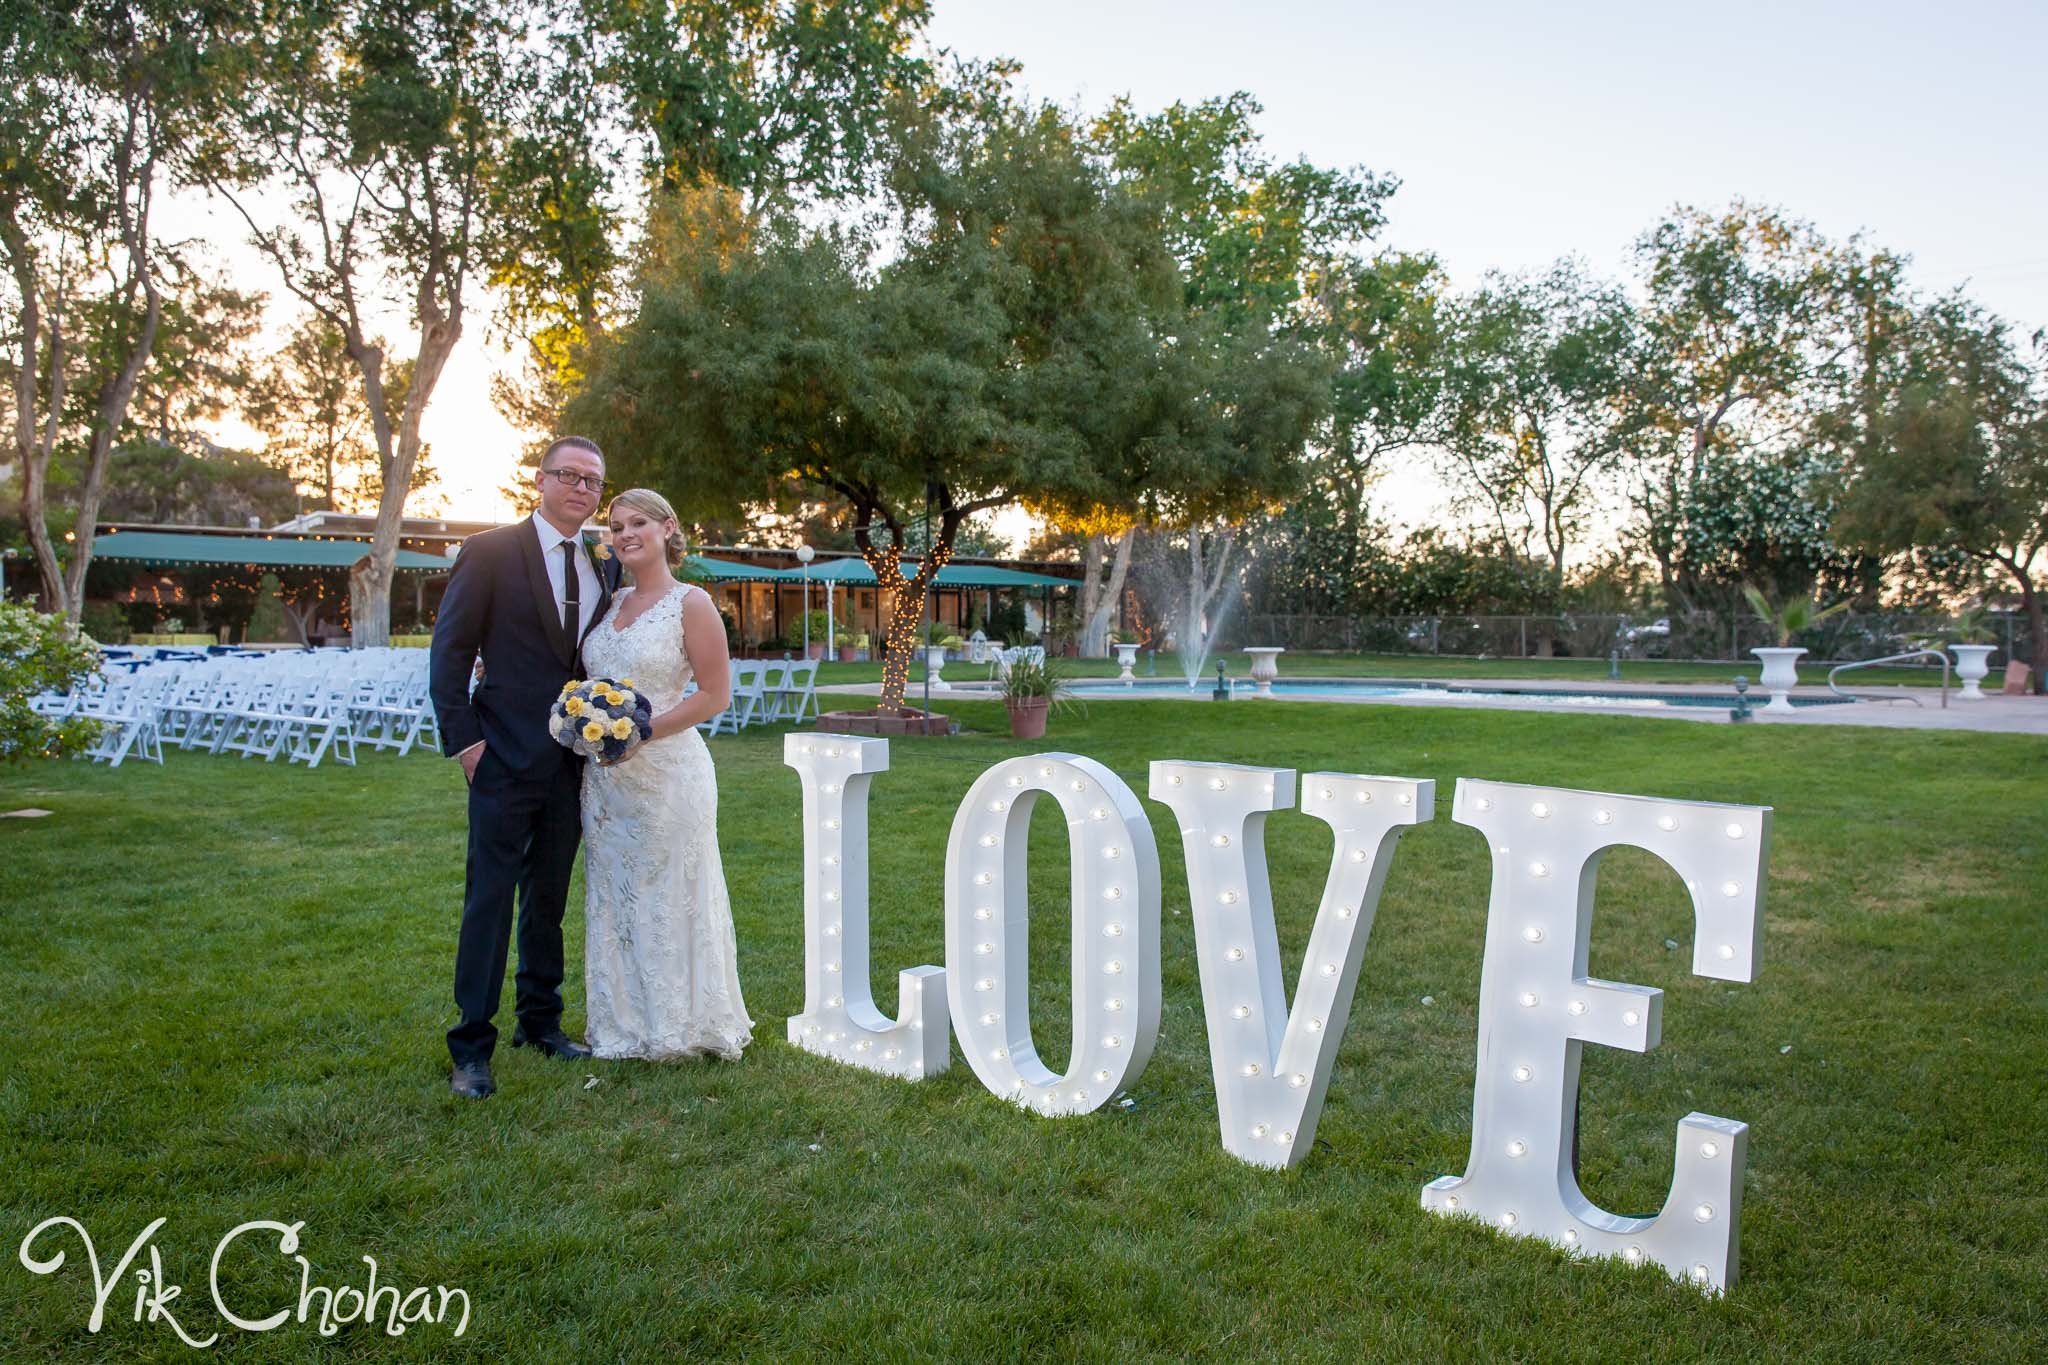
(1995, 714)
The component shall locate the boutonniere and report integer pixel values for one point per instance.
(600, 551)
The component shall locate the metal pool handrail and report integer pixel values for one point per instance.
(1892, 659)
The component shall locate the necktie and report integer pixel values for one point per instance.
(572, 591)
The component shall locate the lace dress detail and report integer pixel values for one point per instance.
(660, 960)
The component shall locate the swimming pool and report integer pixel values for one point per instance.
(1337, 689)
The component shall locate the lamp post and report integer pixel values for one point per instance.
(804, 555)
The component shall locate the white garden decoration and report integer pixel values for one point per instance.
(1272, 1063)
(1538, 1009)
(1115, 869)
(840, 1019)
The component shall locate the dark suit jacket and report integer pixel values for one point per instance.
(499, 604)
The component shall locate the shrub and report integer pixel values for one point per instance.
(40, 653)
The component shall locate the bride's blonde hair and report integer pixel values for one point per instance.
(653, 504)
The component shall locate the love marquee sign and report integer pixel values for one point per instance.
(1272, 1060)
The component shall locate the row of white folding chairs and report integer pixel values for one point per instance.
(126, 711)
(298, 705)
(303, 704)
(765, 692)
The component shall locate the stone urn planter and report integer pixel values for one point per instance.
(934, 660)
(1972, 663)
(815, 651)
(1126, 659)
(1027, 716)
(1265, 666)
(1780, 674)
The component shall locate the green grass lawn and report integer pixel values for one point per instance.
(1301, 664)
(228, 984)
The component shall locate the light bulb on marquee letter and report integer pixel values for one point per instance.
(1272, 1065)
(1538, 1008)
(840, 1019)
(1115, 897)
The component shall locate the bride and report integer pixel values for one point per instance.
(660, 963)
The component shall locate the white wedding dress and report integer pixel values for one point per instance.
(660, 962)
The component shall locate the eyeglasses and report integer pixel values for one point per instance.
(592, 482)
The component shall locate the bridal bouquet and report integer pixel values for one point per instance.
(601, 719)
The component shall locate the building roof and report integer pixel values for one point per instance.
(161, 549)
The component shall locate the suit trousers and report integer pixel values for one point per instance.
(523, 835)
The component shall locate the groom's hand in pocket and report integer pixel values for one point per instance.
(469, 758)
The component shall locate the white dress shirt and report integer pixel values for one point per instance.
(587, 590)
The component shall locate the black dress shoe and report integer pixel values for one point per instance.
(553, 1043)
(472, 1081)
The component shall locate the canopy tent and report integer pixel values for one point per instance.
(168, 550)
(856, 571)
(732, 571)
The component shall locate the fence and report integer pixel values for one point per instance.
(1703, 636)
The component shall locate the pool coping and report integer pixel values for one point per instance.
(1996, 713)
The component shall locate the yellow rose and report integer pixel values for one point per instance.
(568, 687)
(601, 550)
(573, 706)
(614, 698)
(593, 730)
(625, 682)
(622, 728)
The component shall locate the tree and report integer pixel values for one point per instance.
(1533, 372)
(944, 382)
(771, 99)
(1742, 324)
(1250, 236)
(309, 405)
(379, 125)
(98, 104)
(1379, 320)
(1959, 459)
(149, 480)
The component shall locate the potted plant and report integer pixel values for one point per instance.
(812, 626)
(1029, 693)
(1781, 673)
(1973, 647)
(844, 641)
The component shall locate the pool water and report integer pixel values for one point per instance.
(1311, 689)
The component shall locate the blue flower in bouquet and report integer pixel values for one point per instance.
(601, 719)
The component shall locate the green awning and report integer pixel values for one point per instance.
(856, 571)
(168, 550)
(732, 571)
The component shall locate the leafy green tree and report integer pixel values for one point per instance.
(151, 481)
(308, 402)
(773, 99)
(951, 379)
(1534, 369)
(1251, 237)
(1743, 333)
(374, 129)
(1959, 462)
(1380, 320)
(99, 104)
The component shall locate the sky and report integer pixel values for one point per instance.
(1522, 133)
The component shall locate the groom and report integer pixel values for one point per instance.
(523, 596)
